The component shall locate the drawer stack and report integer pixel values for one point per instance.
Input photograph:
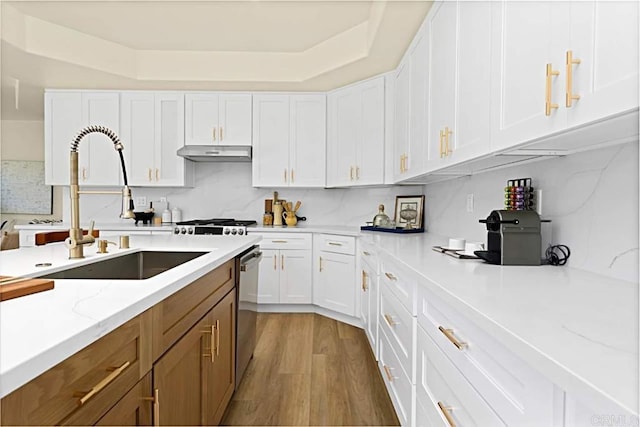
(397, 326)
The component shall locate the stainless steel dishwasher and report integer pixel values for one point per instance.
(247, 293)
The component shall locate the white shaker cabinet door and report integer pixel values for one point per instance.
(418, 141)
(344, 134)
(234, 115)
(336, 287)
(99, 163)
(370, 149)
(169, 168)
(472, 137)
(138, 136)
(270, 141)
(201, 119)
(442, 80)
(307, 148)
(526, 38)
(62, 121)
(604, 38)
(402, 87)
(295, 277)
(269, 277)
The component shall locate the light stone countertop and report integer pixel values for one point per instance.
(577, 328)
(40, 330)
(342, 230)
(125, 225)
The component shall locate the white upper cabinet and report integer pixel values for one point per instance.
(402, 93)
(152, 132)
(220, 119)
(289, 140)
(62, 121)
(604, 38)
(419, 100)
(355, 148)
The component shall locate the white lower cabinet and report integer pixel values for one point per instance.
(335, 279)
(370, 304)
(399, 386)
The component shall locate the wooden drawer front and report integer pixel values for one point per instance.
(55, 396)
(518, 393)
(398, 384)
(285, 240)
(369, 255)
(401, 282)
(400, 328)
(439, 383)
(179, 312)
(134, 409)
(337, 244)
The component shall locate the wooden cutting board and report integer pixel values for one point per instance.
(12, 287)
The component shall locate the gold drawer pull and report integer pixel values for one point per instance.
(446, 412)
(351, 173)
(282, 262)
(390, 276)
(85, 396)
(548, 105)
(211, 354)
(366, 253)
(221, 133)
(357, 172)
(214, 134)
(570, 97)
(149, 174)
(389, 320)
(157, 174)
(449, 334)
(320, 264)
(217, 330)
(279, 241)
(364, 281)
(156, 406)
(275, 258)
(388, 372)
(335, 244)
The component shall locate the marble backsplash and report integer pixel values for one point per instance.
(224, 190)
(591, 198)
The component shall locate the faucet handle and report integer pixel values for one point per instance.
(70, 243)
(91, 225)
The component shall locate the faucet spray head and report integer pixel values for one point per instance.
(127, 204)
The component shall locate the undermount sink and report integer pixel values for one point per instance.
(136, 266)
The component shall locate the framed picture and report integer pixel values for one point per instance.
(409, 212)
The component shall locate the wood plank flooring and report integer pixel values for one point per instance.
(310, 370)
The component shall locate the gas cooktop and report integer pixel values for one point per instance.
(219, 221)
(214, 226)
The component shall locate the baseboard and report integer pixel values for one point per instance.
(310, 308)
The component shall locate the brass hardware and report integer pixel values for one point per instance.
(449, 334)
(388, 372)
(351, 173)
(292, 176)
(157, 174)
(149, 174)
(357, 172)
(156, 407)
(406, 162)
(390, 276)
(548, 105)
(282, 262)
(366, 253)
(441, 145)
(85, 396)
(217, 329)
(84, 174)
(221, 134)
(447, 133)
(279, 241)
(389, 320)
(445, 411)
(570, 97)
(285, 175)
(364, 280)
(320, 264)
(335, 244)
(275, 260)
(210, 330)
(102, 246)
(214, 134)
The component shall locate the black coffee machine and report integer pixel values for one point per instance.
(513, 238)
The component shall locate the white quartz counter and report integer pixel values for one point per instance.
(125, 225)
(342, 230)
(577, 328)
(40, 330)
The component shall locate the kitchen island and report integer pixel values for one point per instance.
(40, 330)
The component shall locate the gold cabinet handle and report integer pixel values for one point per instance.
(85, 396)
(389, 320)
(445, 411)
(335, 244)
(570, 97)
(320, 264)
(388, 372)
(275, 260)
(441, 144)
(285, 175)
(214, 134)
(406, 162)
(357, 172)
(149, 174)
(156, 406)
(279, 241)
(157, 174)
(210, 330)
(221, 134)
(364, 280)
(217, 330)
(292, 176)
(282, 262)
(390, 276)
(366, 253)
(447, 134)
(449, 334)
(84, 174)
(548, 105)
(351, 173)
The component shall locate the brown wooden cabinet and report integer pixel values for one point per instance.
(194, 380)
(134, 409)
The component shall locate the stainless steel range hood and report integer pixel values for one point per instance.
(216, 153)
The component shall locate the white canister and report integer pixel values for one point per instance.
(166, 216)
(176, 215)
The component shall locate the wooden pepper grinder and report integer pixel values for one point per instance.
(277, 209)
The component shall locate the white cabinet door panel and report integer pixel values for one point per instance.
(201, 119)
(337, 287)
(269, 277)
(63, 120)
(99, 163)
(270, 140)
(138, 136)
(401, 119)
(234, 119)
(295, 277)
(345, 134)
(418, 141)
(308, 141)
(169, 167)
(370, 149)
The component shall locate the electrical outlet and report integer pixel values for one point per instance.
(141, 201)
(163, 200)
(470, 203)
(538, 199)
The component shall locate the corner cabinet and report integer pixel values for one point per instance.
(335, 281)
(152, 132)
(355, 146)
(289, 140)
(218, 119)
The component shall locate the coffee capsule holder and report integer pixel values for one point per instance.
(519, 195)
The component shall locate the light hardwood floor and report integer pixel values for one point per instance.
(310, 370)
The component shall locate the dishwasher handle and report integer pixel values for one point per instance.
(250, 260)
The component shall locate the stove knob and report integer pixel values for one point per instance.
(176, 230)
(234, 231)
(183, 230)
(190, 230)
(226, 231)
(240, 232)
